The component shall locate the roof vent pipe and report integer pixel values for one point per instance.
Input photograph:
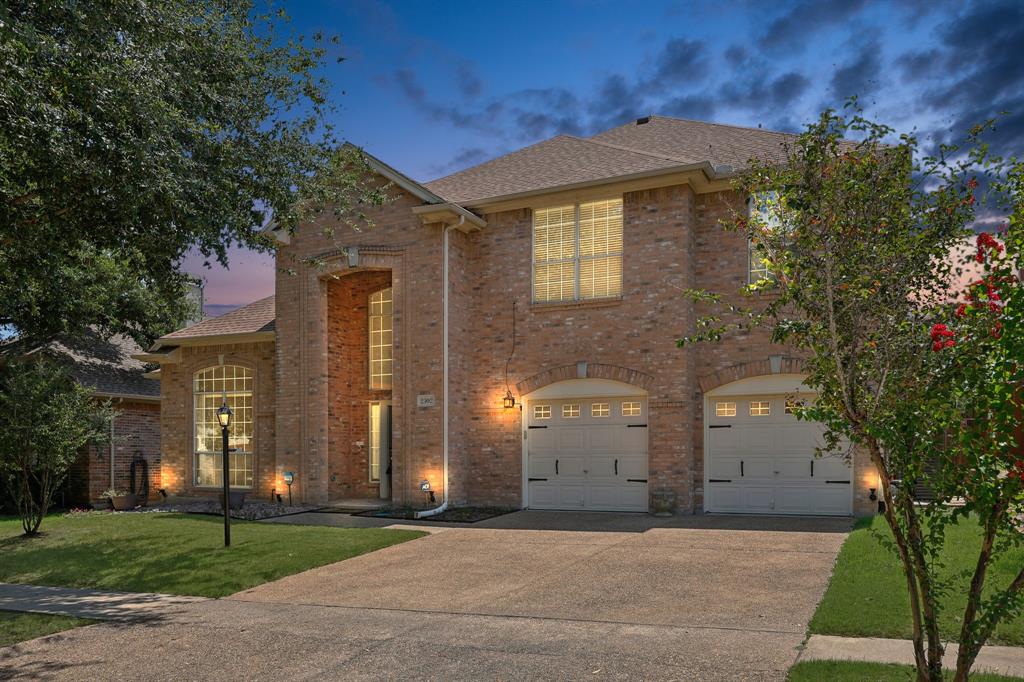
(642, 120)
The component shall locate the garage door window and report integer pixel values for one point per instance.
(542, 412)
(630, 409)
(599, 410)
(570, 411)
(725, 409)
(760, 408)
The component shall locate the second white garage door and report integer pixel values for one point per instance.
(760, 459)
(587, 453)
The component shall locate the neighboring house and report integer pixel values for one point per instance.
(386, 360)
(107, 367)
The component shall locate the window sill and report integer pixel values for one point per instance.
(572, 305)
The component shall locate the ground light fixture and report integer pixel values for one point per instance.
(289, 478)
(224, 418)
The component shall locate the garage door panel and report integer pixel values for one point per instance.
(777, 452)
(588, 460)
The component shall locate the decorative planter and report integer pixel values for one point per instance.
(123, 502)
(237, 499)
(663, 502)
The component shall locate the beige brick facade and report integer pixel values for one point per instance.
(312, 382)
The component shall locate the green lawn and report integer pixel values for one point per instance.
(18, 627)
(867, 594)
(175, 554)
(848, 671)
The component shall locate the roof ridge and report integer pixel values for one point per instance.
(720, 125)
(514, 151)
(663, 157)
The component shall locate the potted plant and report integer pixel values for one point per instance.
(120, 499)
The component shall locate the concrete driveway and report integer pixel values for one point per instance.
(530, 595)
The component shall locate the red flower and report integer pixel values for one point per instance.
(961, 310)
(972, 183)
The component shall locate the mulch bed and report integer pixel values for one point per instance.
(454, 515)
(250, 511)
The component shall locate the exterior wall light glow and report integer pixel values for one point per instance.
(509, 401)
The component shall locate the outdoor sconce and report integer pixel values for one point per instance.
(163, 493)
(289, 478)
(873, 497)
(425, 489)
(509, 401)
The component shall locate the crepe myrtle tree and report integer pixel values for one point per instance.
(856, 238)
(46, 418)
(132, 131)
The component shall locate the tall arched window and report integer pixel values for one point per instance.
(213, 386)
(380, 340)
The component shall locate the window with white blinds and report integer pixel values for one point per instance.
(577, 251)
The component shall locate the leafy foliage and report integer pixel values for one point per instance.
(132, 131)
(856, 238)
(46, 418)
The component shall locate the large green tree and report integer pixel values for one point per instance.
(864, 246)
(134, 130)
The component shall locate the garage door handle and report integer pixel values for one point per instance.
(812, 468)
(636, 426)
(846, 482)
(719, 480)
(616, 467)
(536, 427)
(536, 479)
(719, 426)
(741, 468)
(556, 467)
(636, 480)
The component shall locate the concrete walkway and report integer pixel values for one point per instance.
(67, 601)
(1003, 660)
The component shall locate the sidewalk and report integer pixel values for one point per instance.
(1003, 660)
(66, 601)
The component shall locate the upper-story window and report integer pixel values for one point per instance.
(381, 334)
(577, 251)
(213, 386)
(764, 205)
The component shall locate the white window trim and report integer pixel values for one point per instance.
(576, 259)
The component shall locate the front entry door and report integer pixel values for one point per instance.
(380, 446)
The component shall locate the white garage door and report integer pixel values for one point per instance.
(760, 459)
(587, 453)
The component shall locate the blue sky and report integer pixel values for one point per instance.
(432, 88)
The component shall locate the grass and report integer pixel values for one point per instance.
(173, 553)
(850, 671)
(17, 627)
(867, 595)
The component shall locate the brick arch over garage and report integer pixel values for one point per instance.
(776, 364)
(585, 370)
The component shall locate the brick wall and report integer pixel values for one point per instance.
(176, 415)
(136, 434)
(349, 393)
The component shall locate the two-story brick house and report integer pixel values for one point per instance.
(550, 277)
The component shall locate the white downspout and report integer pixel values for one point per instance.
(444, 406)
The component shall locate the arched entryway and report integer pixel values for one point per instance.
(586, 446)
(760, 459)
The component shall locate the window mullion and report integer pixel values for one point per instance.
(576, 233)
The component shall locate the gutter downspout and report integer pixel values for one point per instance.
(444, 406)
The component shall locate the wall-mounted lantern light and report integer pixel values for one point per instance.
(425, 489)
(873, 497)
(509, 401)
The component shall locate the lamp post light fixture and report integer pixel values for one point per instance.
(289, 478)
(224, 417)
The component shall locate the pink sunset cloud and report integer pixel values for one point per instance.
(248, 277)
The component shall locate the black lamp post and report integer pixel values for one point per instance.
(224, 417)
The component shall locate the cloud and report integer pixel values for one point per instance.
(861, 75)
(680, 61)
(468, 81)
(465, 158)
(795, 29)
(690, 106)
(918, 64)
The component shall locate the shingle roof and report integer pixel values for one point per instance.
(258, 316)
(659, 144)
(105, 365)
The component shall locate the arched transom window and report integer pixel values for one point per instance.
(213, 386)
(380, 339)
